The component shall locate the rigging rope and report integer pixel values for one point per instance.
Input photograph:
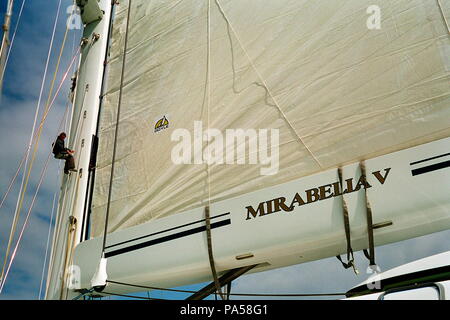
(13, 255)
(18, 169)
(208, 170)
(58, 231)
(116, 133)
(43, 172)
(12, 181)
(233, 294)
(51, 217)
(58, 217)
(34, 154)
(134, 297)
(48, 241)
(24, 182)
(34, 136)
(68, 257)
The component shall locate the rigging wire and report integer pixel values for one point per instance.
(43, 172)
(48, 240)
(13, 255)
(233, 294)
(56, 94)
(61, 205)
(134, 297)
(52, 215)
(12, 181)
(208, 169)
(23, 184)
(57, 233)
(45, 117)
(116, 133)
(34, 136)
(4, 68)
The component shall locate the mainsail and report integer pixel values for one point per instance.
(355, 98)
(337, 91)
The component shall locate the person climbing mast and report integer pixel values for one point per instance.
(63, 153)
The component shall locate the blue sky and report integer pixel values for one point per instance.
(20, 95)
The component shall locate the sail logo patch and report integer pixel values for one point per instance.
(162, 124)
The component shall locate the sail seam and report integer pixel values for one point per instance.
(266, 86)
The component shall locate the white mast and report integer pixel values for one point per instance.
(70, 225)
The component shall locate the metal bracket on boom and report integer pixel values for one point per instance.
(90, 10)
(223, 280)
(100, 278)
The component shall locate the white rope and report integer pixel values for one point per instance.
(52, 214)
(56, 235)
(208, 169)
(16, 213)
(13, 255)
(26, 153)
(12, 181)
(266, 86)
(48, 238)
(41, 124)
(30, 210)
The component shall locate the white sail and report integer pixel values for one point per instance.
(337, 88)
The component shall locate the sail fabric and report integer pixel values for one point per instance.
(335, 89)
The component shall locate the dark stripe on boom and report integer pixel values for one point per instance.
(431, 168)
(167, 230)
(166, 238)
(437, 157)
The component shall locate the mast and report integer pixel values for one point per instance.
(71, 221)
(310, 210)
(5, 40)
